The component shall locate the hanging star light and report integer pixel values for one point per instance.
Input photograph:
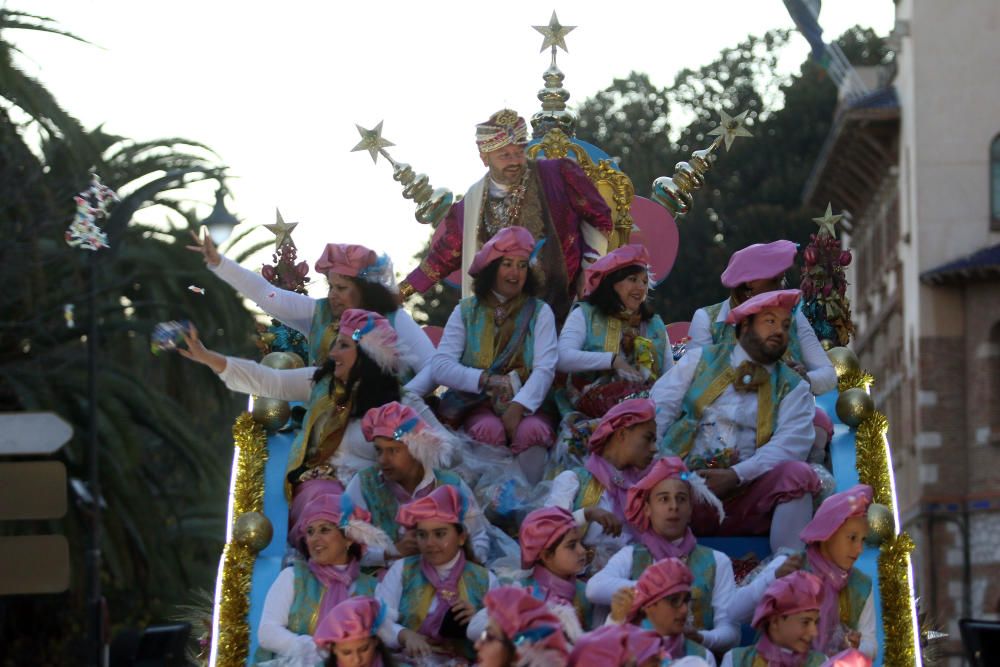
(282, 231)
(730, 128)
(372, 141)
(554, 33)
(827, 222)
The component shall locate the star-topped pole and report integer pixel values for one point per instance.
(827, 224)
(372, 141)
(554, 34)
(282, 231)
(731, 127)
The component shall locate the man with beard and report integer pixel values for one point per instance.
(742, 419)
(552, 199)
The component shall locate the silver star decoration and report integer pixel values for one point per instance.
(554, 33)
(731, 127)
(282, 232)
(827, 222)
(372, 141)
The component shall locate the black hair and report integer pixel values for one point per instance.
(374, 386)
(482, 282)
(382, 650)
(606, 300)
(375, 297)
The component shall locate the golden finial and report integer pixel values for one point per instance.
(827, 222)
(372, 141)
(282, 231)
(553, 96)
(730, 128)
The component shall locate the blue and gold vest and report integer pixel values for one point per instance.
(711, 378)
(605, 335)
(383, 504)
(853, 596)
(320, 402)
(480, 332)
(726, 333)
(418, 593)
(701, 562)
(747, 657)
(584, 607)
(589, 491)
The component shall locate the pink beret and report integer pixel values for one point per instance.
(330, 507)
(540, 530)
(503, 128)
(822, 420)
(782, 298)
(627, 413)
(444, 504)
(392, 420)
(665, 468)
(796, 592)
(358, 323)
(306, 492)
(344, 259)
(626, 255)
(604, 647)
(525, 618)
(354, 618)
(852, 657)
(758, 262)
(664, 577)
(515, 242)
(374, 335)
(835, 510)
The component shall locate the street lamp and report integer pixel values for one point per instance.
(220, 221)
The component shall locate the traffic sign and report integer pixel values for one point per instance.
(32, 490)
(32, 433)
(34, 564)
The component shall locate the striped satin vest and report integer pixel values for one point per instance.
(480, 331)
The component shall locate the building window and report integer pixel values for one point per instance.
(995, 184)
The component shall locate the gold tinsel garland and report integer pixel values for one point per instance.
(248, 496)
(874, 469)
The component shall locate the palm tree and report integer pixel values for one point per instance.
(163, 424)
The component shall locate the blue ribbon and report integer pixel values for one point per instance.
(405, 428)
(533, 635)
(359, 333)
(346, 510)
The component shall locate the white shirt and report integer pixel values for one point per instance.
(574, 359)
(617, 574)
(822, 376)
(750, 594)
(562, 494)
(449, 371)
(296, 311)
(475, 522)
(390, 590)
(731, 421)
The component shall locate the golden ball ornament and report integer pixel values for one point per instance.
(271, 413)
(282, 360)
(844, 361)
(253, 530)
(854, 406)
(827, 344)
(881, 524)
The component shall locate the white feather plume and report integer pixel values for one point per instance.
(428, 447)
(704, 494)
(365, 533)
(382, 346)
(529, 655)
(568, 619)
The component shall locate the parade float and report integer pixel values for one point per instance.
(859, 452)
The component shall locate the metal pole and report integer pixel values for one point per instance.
(95, 611)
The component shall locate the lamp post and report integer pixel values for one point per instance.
(220, 222)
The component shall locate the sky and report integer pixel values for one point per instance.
(277, 88)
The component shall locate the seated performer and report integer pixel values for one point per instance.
(741, 418)
(621, 449)
(358, 278)
(552, 550)
(552, 199)
(662, 597)
(332, 534)
(498, 355)
(834, 541)
(354, 633)
(521, 632)
(754, 270)
(409, 457)
(612, 343)
(616, 646)
(435, 595)
(786, 617)
(659, 508)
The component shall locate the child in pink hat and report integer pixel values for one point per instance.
(752, 271)
(741, 418)
(354, 633)
(621, 449)
(849, 658)
(552, 550)
(498, 355)
(786, 617)
(435, 595)
(658, 510)
(521, 631)
(617, 646)
(410, 460)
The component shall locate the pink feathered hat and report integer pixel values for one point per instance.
(835, 510)
(758, 262)
(344, 259)
(400, 422)
(664, 577)
(540, 530)
(666, 468)
(444, 504)
(626, 255)
(354, 618)
(783, 298)
(791, 594)
(341, 511)
(515, 242)
(526, 620)
(373, 334)
(627, 413)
